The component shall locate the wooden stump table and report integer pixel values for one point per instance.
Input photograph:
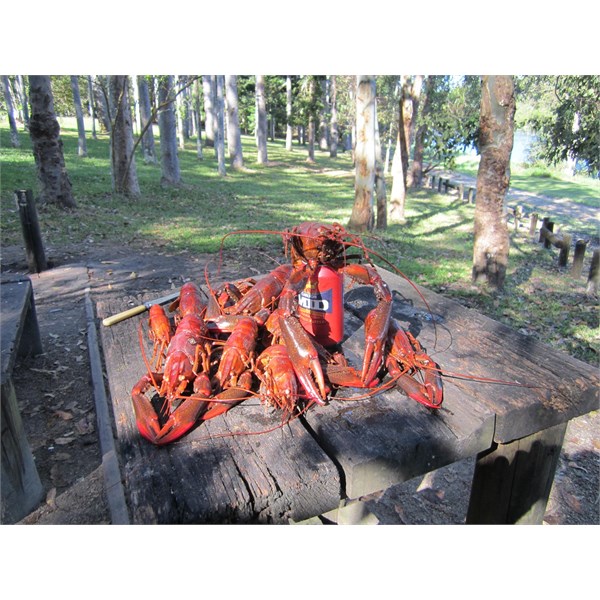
(335, 454)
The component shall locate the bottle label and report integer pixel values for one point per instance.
(319, 301)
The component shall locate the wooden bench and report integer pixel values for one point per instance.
(325, 461)
(20, 336)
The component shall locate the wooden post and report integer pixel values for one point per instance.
(471, 195)
(578, 255)
(529, 465)
(34, 247)
(592, 282)
(533, 224)
(432, 182)
(440, 182)
(549, 225)
(565, 246)
(518, 214)
(461, 191)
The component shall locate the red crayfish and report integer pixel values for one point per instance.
(251, 338)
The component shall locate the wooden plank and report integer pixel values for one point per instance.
(469, 343)
(203, 478)
(512, 482)
(388, 439)
(18, 322)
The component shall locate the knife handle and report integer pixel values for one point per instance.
(126, 314)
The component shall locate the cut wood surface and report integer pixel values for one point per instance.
(350, 447)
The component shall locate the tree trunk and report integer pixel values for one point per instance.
(169, 161)
(179, 115)
(148, 147)
(198, 118)
(412, 111)
(362, 215)
(47, 145)
(261, 121)
(399, 166)
(288, 112)
(220, 137)
(334, 132)
(380, 190)
(91, 106)
(312, 90)
(22, 92)
(496, 123)
(234, 138)
(10, 107)
(81, 146)
(210, 120)
(324, 117)
(124, 172)
(417, 164)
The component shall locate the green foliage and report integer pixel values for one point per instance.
(567, 120)
(453, 118)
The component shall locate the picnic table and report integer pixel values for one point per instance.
(326, 460)
(20, 336)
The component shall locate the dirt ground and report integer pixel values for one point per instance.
(57, 403)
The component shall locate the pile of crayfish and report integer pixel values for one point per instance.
(245, 339)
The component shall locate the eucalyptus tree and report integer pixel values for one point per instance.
(148, 145)
(334, 134)
(196, 103)
(44, 131)
(261, 120)
(10, 109)
(209, 90)
(81, 143)
(169, 160)
(124, 173)
(565, 117)
(24, 100)
(91, 105)
(496, 126)
(362, 217)
(288, 113)
(220, 134)
(234, 139)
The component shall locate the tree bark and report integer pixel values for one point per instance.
(124, 172)
(198, 118)
(169, 160)
(220, 137)
(234, 138)
(417, 164)
(400, 165)
(10, 107)
(380, 190)
(47, 145)
(324, 117)
(261, 121)
(334, 131)
(491, 243)
(210, 120)
(24, 100)
(91, 106)
(148, 146)
(81, 145)
(362, 216)
(288, 112)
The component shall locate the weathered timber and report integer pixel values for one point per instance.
(578, 256)
(19, 333)
(356, 444)
(217, 473)
(34, 246)
(533, 224)
(594, 274)
(553, 386)
(512, 482)
(563, 243)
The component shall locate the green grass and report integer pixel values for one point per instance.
(433, 247)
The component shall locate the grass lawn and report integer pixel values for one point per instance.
(434, 246)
